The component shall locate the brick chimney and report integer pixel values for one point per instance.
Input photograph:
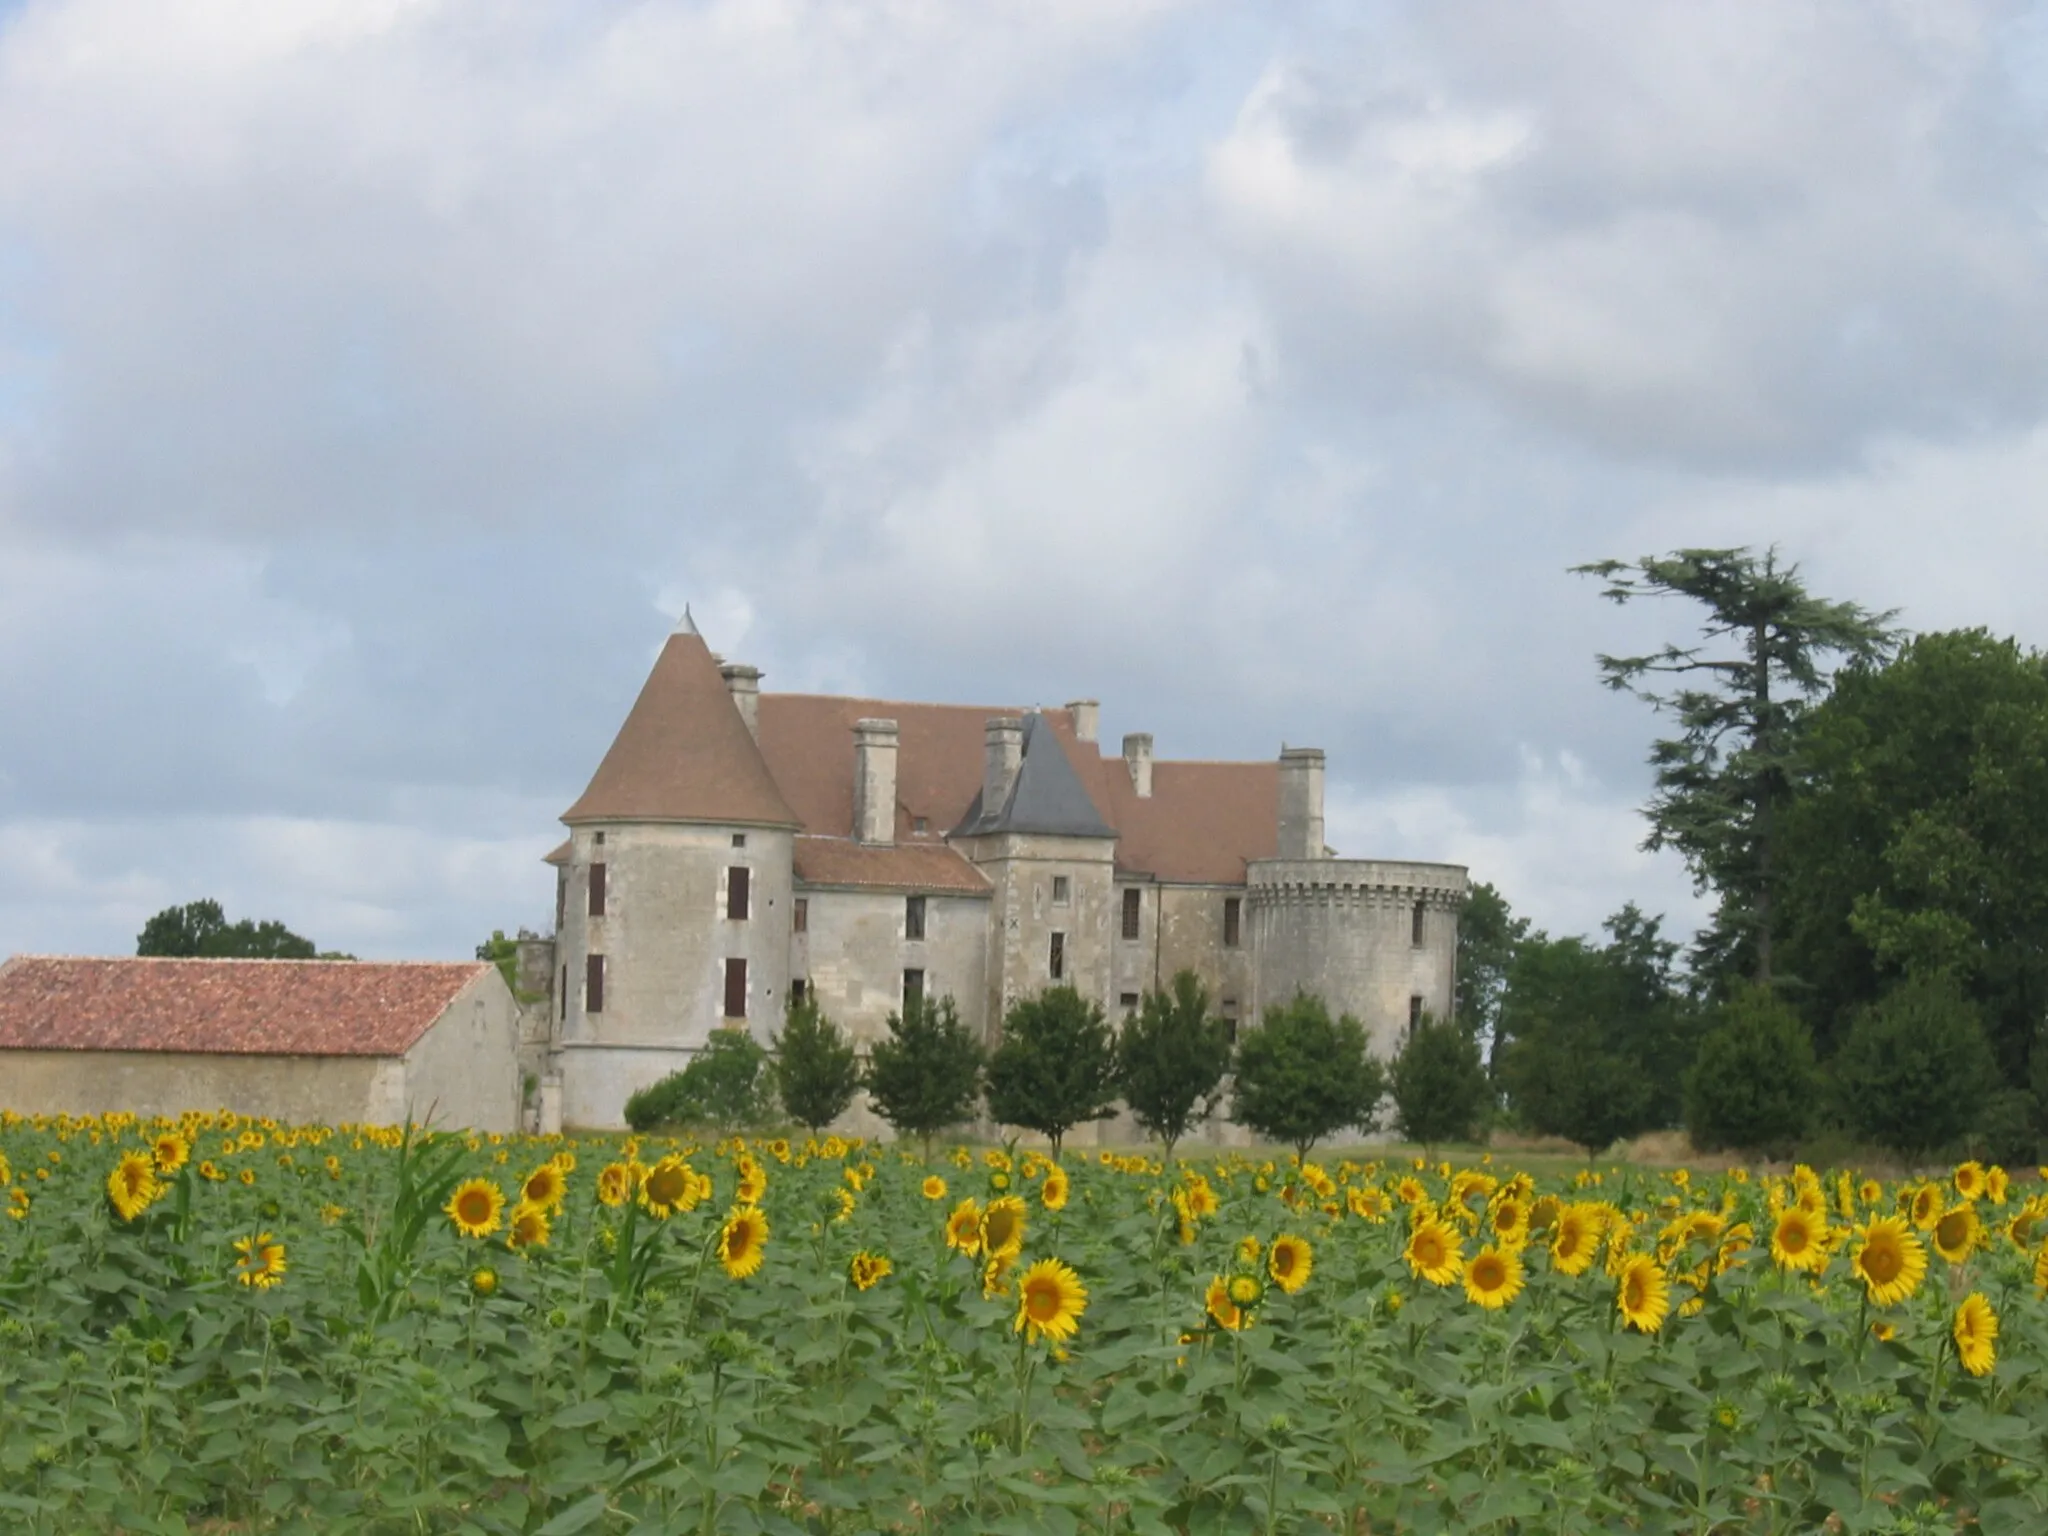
(1138, 758)
(1301, 803)
(874, 781)
(744, 684)
(1005, 752)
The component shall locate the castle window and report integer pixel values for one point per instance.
(1229, 1006)
(799, 989)
(599, 839)
(1414, 1013)
(593, 983)
(913, 988)
(1415, 926)
(561, 898)
(597, 890)
(1134, 906)
(800, 920)
(920, 826)
(736, 883)
(1128, 1001)
(564, 999)
(1061, 890)
(913, 917)
(1233, 908)
(1056, 957)
(735, 989)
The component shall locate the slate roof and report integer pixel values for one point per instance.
(910, 867)
(226, 1007)
(1047, 797)
(684, 753)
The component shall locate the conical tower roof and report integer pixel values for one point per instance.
(684, 753)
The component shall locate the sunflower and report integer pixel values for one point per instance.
(669, 1188)
(615, 1184)
(247, 1176)
(1976, 1332)
(1367, 1204)
(1290, 1261)
(1925, 1208)
(1995, 1184)
(1247, 1291)
(1869, 1192)
(741, 1240)
(132, 1187)
(2041, 1270)
(1576, 1238)
(1889, 1259)
(544, 1187)
(754, 1182)
(171, 1152)
(1052, 1194)
(867, 1269)
(934, 1187)
(1249, 1248)
(1050, 1301)
(1544, 1213)
(1642, 1295)
(1002, 1226)
(261, 1263)
(1509, 1219)
(1434, 1252)
(1217, 1303)
(963, 1228)
(212, 1172)
(475, 1207)
(1799, 1241)
(1956, 1233)
(1969, 1179)
(1494, 1277)
(529, 1227)
(1410, 1190)
(1201, 1199)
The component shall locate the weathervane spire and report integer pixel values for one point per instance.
(687, 625)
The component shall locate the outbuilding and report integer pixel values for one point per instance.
(303, 1040)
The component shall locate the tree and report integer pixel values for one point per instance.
(1302, 1075)
(1740, 699)
(816, 1071)
(927, 1074)
(1438, 1084)
(1488, 935)
(725, 1085)
(199, 928)
(1056, 1066)
(1171, 1059)
(1915, 1070)
(1753, 1086)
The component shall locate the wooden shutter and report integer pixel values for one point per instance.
(597, 890)
(735, 989)
(736, 880)
(1230, 922)
(593, 984)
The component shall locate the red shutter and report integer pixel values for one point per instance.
(593, 984)
(736, 895)
(735, 989)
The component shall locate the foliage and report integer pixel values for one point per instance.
(1171, 1059)
(1302, 1076)
(1439, 1085)
(1915, 1070)
(1055, 1067)
(1488, 936)
(926, 1075)
(817, 1071)
(1753, 1085)
(726, 1085)
(1739, 700)
(200, 929)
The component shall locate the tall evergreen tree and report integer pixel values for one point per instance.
(817, 1071)
(1171, 1059)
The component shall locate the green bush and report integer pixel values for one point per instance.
(816, 1069)
(927, 1074)
(1753, 1086)
(726, 1085)
(1302, 1075)
(1439, 1085)
(1056, 1066)
(1915, 1071)
(1171, 1059)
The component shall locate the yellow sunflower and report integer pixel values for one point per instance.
(754, 1182)
(1052, 1194)
(170, 1150)
(1544, 1212)
(669, 1188)
(2041, 1270)
(1888, 1259)
(1509, 1219)
(483, 1282)
(1799, 1241)
(615, 1184)
(934, 1187)
(1410, 1190)
(1289, 1261)
(1002, 1226)
(1575, 1240)
(1925, 1208)
(1225, 1312)
(1956, 1233)
(1996, 1184)
(1050, 1301)
(1435, 1252)
(1494, 1277)
(476, 1207)
(1969, 1179)
(963, 1228)
(742, 1240)
(867, 1269)
(1368, 1203)
(133, 1187)
(529, 1228)
(1642, 1294)
(1976, 1333)
(261, 1261)
(545, 1187)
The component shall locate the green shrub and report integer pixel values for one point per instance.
(1915, 1070)
(1753, 1086)
(725, 1085)
(816, 1069)
(1439, 1084)
(1171, 1059)
(1302, 1076)
(927, 1074)
(1056, 1066)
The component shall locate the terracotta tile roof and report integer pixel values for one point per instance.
(684, 753)
(1203, 823)
(906, 867)
(228, 1007)
(559, 854)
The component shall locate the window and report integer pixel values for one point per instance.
(597, 890)
(561, 898)
(736, 895)
(1233, 907)
(919, 826)
(800, 920)
(739, 839)
(913, 989)
(1415, 926)
(600, 839)
(1056, 959)
(1062, 889)
(1230, 1017)
(593, 983)
(1134, 907)
(565, 994)
(1128, 1001)
(913, 917)
(735, 989)
(799, 989)
(1414, 1013)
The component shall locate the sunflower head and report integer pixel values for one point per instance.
(1050, 1301)
(742, 1241)
(544, 1187)
(1956, 1233)
(1002, 1226)
(1289, 1261)
(615, 1182)
(963, 1228)
(529, 1228)
(1642, 1293)
(171, 1152)
(1969, 1179)
(1225, 1312)
(868, 1269)
(1889, 1260)
(1976, 1334)
(476, 1207)
(1494, 1277)
(1575, 1239)
(934, 1187)
(1799, 1241)
(1435, 1252)
(132, 1187)
(1052, 1194)
(260, 1261)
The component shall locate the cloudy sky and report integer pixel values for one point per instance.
(378, 378)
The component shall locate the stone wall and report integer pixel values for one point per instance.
(855, 951)
(464, 1071)
(300, 1089)
(1024, 914)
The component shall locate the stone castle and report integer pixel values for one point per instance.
(737, 849)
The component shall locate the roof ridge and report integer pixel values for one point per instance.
(225, 960)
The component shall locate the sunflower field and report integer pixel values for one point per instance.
(222, 1325)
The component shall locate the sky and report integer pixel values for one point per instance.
(380, 378)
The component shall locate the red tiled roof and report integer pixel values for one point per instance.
(906, 867)
(1202, 824)
(226, 1007)
(684, 753)
(559, 854)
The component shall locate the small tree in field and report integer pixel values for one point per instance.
(1753, 1085)
(1302, 1075)
(927, 1074)
(1056, 1066)
(816, 1072)
(1916, 1069)
(1171, 1059)
(1439, 1085)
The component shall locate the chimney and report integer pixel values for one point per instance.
(744, 684)
(1087, 715)
(1005, 737)
(1138, 758)
(1301, 803)
(874, 781)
